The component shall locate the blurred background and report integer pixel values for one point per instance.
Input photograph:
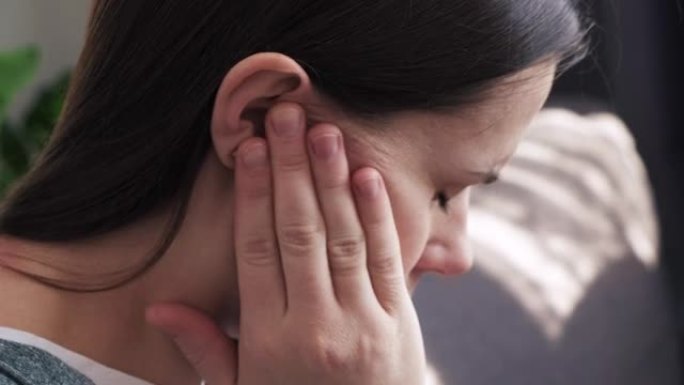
(583, 281)
(39, 44)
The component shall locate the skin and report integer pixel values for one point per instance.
(416, 153)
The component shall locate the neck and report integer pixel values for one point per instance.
(107, 327)
(198, 270)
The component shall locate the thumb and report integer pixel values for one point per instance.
(203, 343)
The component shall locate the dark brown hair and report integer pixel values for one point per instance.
(135, 127)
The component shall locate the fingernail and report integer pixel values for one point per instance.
(255, 156)
(369, 187)
(287, 121)
(326, 146)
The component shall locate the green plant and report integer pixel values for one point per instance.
(21, 141)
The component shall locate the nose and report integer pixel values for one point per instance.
(448, 250)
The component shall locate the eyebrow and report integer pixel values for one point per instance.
(486, 177)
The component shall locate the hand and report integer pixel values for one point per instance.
(322, 290)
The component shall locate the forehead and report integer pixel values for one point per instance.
(477, 138)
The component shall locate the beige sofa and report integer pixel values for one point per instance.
(567, 287)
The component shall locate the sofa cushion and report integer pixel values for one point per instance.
(566, 287)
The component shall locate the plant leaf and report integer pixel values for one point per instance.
(12, 150)
(17, 68)
(7, 177)
(44, 112)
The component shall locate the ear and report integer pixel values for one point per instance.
(246, 94)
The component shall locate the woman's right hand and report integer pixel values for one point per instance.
(322, 289)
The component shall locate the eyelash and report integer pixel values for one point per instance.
(443, 200)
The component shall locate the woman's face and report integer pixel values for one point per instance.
(421, 155)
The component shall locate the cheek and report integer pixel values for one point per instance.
(410, 203)
(412, 218)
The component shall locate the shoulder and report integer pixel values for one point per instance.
(5, 380)
(26, 365)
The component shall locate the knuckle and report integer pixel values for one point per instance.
(292, 162)
(324, 353)
(299, 236)
(340, 352)
(259, 251)
(383, 262)
(371, 349)
(346, 253)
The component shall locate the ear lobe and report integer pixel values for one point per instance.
(247, 93)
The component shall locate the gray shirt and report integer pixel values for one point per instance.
(27, 365)
(42, 351)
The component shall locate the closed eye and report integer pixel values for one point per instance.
(486, 177)
(491, 178)
(443, 200)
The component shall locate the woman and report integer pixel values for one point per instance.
(204, 158)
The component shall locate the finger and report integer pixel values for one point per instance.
(260, 276)
(299, 225)
(207, 348)
(383, 247)
(345, 239)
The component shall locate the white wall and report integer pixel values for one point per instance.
(56, 26)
